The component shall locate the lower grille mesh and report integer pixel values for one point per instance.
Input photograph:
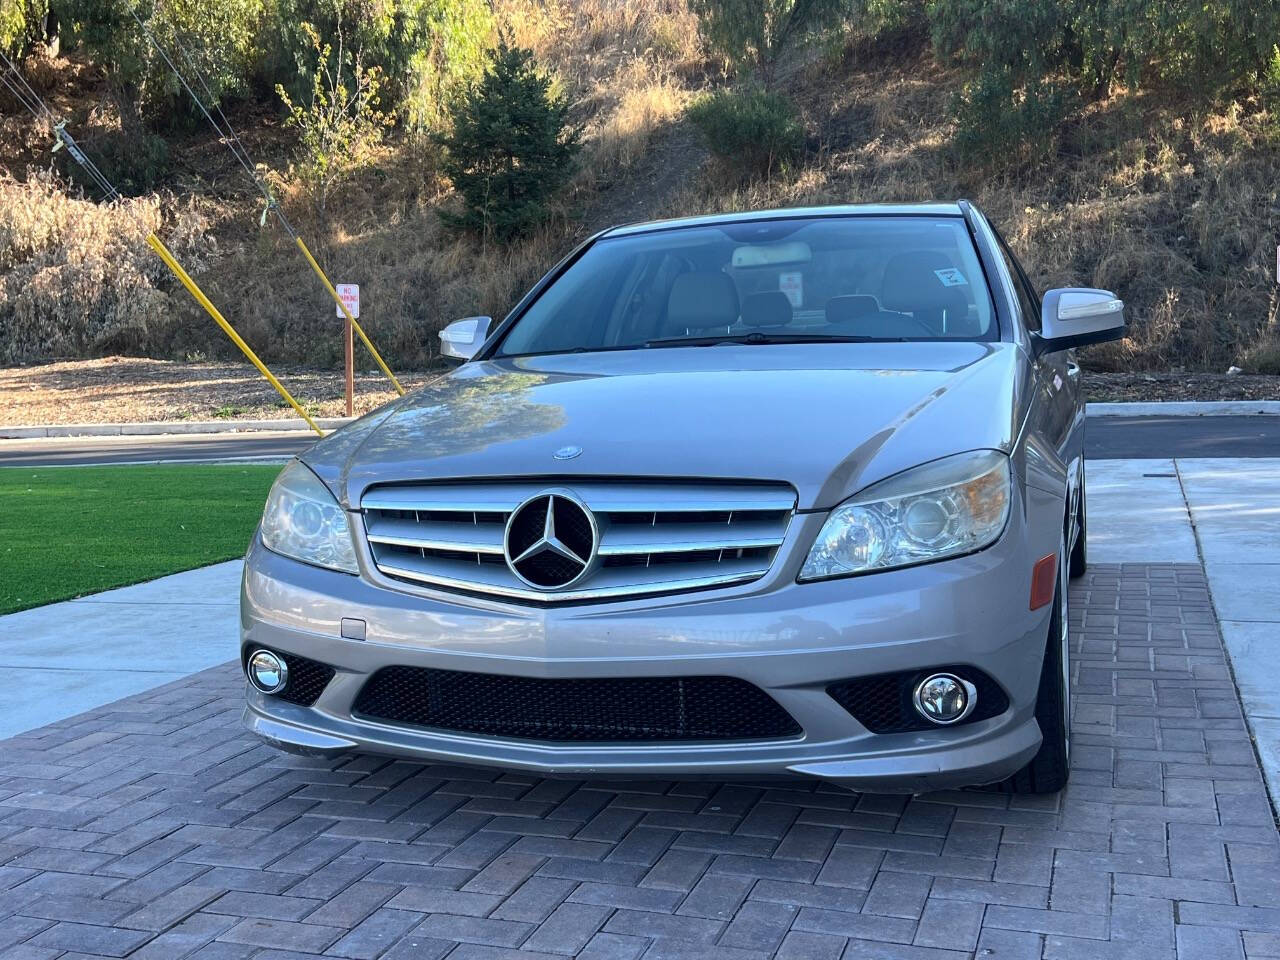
(597, 709)
(882, 703)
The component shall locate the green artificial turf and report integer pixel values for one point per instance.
(69, 531)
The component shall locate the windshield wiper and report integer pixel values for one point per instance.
(757, 337)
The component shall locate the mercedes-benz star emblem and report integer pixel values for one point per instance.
(551, 540)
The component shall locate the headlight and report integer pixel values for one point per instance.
(942, 509)
(302, 520)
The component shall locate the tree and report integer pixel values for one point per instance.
(427, 51)
(221, 37)
(511, 148)
(1208, 45)
(340, 125)
(750, 132)
(1031, 60)
(19, 22)
(756, 33)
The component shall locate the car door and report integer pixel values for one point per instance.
(1057, 376)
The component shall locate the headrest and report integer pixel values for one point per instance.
(923, 280)
(769, 309)
(844, 309)
(699, 301)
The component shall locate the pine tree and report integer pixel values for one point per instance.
(511, 148)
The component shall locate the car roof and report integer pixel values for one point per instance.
(951, 209)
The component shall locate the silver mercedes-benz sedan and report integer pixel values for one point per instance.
(789, 492)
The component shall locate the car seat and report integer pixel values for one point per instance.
(913, 283)
(703, 301)
(769, 309)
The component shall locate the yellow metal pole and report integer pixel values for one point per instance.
(201, 299)
(352, 320)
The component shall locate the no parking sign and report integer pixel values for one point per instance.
(349, 293)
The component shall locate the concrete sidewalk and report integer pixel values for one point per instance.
(1235, 509)
(65, 658)
(1226, 515)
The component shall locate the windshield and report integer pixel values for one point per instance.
(795, 280)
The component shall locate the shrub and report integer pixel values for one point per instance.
(452, 42)
(1269, 93)
(880, 18)
(427, 51)
(1207, 45)
(751, 133)
(757, 33)
(77, 278)
(511, 148)
(221, 37)
(1264, 356)
(133, 164)
(1030, 60)
(339, 125)
(998, 125)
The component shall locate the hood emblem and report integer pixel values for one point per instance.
(551, 540)
(567, 453)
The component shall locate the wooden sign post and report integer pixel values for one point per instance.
(350, 296)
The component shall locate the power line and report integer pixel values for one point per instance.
(228, 137)
(237, 148)
(40, 111)
(18, 94)
(36, 106)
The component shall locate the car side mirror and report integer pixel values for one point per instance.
(1077, 316)
(462, 339)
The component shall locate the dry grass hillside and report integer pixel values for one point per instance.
(1172, 206)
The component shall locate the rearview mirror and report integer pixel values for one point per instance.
(462, 339)
(1077, 316)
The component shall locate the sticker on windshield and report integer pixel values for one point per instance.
(951, 277)
(792, 284)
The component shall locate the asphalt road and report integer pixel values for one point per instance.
(1106, 438)
(1151, 438)
(73, 451)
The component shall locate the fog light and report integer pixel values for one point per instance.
(267, 672)
(944, 698)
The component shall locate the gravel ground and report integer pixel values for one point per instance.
(124, 389)
(116, 389)
(1102, 387)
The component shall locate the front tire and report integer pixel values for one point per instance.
(1050, 767)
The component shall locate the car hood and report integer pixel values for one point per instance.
(826, 418)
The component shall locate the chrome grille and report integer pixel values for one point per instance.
(653, 538)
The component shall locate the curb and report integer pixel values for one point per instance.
(167, 427)
(1173, 408)
(1187, 408)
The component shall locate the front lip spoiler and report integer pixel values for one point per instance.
(294, 739)
(971, 765)
(963, 766)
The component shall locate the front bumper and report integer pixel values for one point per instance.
(791, 640)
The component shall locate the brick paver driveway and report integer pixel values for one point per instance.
(155, 828)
